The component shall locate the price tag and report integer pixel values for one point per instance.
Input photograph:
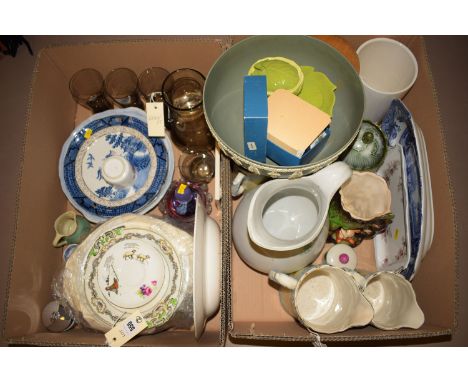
(181, 189)
(125, 330)
(155, 115)
(88, 133)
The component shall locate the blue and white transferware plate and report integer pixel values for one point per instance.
(400, 131)
(120, 132)
(115, 141)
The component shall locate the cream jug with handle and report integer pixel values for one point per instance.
(393, 300)
(287, 214)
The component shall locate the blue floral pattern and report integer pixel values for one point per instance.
(398, 126)
(136, 158)
(90, 160)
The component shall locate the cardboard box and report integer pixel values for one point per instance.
(250, 311)
(255, 315)
(52, 116)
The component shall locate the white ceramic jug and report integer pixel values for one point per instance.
(265, 260)
(285, 215)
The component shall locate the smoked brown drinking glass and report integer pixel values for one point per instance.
(183, 94)
(87, 88)
(122, 87)
(150, 83)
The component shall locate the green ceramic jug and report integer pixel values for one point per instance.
(70, 228)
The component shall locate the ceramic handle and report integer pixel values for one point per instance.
(332, 177)
(283, 279)
(57, 242)
(236, 186)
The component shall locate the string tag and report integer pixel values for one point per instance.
(155, 115)
(316, 339)
(125, 330)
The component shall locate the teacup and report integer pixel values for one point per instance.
(324, 299)
(70, 228)
(394, 301)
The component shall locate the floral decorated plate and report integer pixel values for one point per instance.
(130, 263)
(131, 267)
(400, 131)
(392, 246)
(118, 133)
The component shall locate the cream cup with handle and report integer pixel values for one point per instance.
(394, 301)
(323, 298)
(388, 70)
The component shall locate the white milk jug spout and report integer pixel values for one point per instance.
(286, 215)
(331, 178)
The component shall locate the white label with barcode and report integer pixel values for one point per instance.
(125, 330)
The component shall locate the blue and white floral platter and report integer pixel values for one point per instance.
(402, 247)
(120, 132)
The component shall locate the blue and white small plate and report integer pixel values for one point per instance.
(121, 132)
(399, 128)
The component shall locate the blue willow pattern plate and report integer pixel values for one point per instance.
(115, 141)
(98, 210)
(398, 126)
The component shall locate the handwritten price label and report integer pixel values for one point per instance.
(155, 116)
(125, 330)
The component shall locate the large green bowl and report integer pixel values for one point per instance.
(223, 98)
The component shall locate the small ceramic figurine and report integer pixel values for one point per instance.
(345, 229)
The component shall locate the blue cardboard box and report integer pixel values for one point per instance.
(255, 117)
